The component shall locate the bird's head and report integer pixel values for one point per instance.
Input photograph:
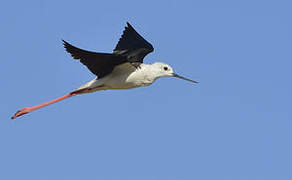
(165, 70)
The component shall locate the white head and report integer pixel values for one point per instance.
(165, 70)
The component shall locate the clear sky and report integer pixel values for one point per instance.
(235, 124)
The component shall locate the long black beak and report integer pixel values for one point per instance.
(178, 76)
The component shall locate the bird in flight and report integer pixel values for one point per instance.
(121, 69)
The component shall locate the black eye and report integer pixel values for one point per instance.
(165, 68)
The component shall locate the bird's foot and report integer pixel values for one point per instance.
(21, 112)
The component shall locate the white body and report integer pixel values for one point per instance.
(126, 76)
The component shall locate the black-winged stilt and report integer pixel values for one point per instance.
(122, 69)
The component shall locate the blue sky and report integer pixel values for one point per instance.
(235, 124)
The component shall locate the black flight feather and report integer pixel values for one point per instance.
(131, 47)
(99, 64)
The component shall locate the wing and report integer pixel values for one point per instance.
(99, 64)
(125, 68)
(133, 45)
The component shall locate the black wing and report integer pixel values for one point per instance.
(99, 64)
(133, 45)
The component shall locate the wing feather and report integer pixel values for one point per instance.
(133, 45)
(99, 64)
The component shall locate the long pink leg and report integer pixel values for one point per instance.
(32, 108)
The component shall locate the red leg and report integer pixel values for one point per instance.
(32, 108)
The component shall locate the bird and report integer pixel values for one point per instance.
(121, 69)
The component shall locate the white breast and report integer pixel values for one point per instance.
(126, 76)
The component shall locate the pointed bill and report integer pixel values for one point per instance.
(181, 77)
